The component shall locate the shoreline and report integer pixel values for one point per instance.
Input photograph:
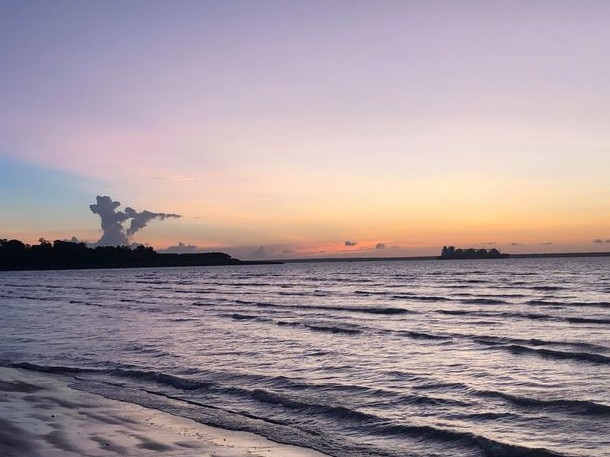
(554, 255)
(436, 257)
(41, 415)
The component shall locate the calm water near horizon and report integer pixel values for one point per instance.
(494, 358)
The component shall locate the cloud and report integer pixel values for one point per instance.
(112, 221)
(515, 244)
(380, 246)
(351, 243)
(548, 243)
(181, 248)
(139, 220)
(600, 241)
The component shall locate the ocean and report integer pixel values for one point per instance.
(494, 358)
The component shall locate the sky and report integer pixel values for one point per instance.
(309, 128)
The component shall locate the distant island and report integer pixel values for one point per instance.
(64, 255)
(451, 253)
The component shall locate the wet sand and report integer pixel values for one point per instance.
(41, 416)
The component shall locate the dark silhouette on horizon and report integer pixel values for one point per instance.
(451, 253)
(64, 255)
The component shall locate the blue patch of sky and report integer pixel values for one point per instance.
(30, 193)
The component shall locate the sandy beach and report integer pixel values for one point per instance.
(40, 415)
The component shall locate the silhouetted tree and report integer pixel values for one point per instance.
(15, 255)
(452, 253)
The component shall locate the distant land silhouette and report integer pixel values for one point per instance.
(451, 253)
(64, 255)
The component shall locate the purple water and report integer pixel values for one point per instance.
(469, 358)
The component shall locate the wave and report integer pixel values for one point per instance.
(454, 312)
(582, 407)
(321, 328)
(487, 416)
(554, 354)
(347, 308)
(243, 317)
(547, 288)
(422, 335)
(500, 341)
(372, 310)
(333, 329)
(55, 369)
(587, 320)
(419, 297)
(484, 301)
(367, 293)
(159, 378)
(538, 302)
(532, 316)
(490, 448)
(288, 324)
(337, 411)
(141, 375)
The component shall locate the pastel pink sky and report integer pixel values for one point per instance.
(298, 126)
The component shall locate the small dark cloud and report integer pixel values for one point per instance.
(489, 243)
(600, 241)
(287, 251)
(548, 243)
(515, 244)
(351, 243)
(181, 248)
(380, 246)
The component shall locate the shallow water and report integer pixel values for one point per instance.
(432, 358)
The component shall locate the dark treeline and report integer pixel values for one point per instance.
(16, 255)
(450, 252)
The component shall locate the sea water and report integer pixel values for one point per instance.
(507, 357)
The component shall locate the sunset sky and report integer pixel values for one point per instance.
(312, 127)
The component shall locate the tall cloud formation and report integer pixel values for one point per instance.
(115, 234)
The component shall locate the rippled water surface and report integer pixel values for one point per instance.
(498, 358)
